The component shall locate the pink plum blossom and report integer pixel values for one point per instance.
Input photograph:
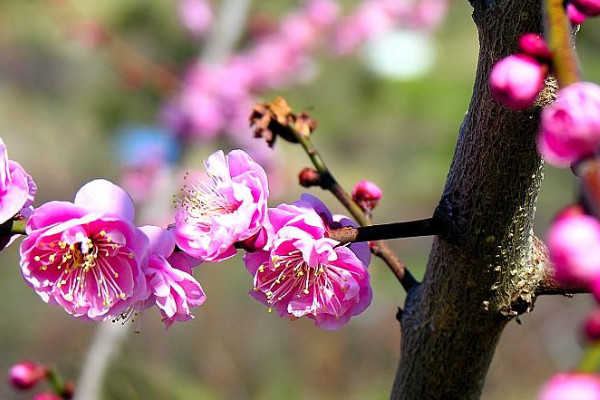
(173, 288)
(302, 272)
(517, 80)
(26, 374)
(17, 189)
(322, 13)
(86, 256)
(228, 206)
(573, 242)
(570, 127)
(571, 386)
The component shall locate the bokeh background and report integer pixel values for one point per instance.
(63, 103)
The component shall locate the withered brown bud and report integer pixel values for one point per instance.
(309, 177)
(276, 118)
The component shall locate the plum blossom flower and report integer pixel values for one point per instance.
(86, 256)
(570, 127)
(517, 80)
(570, 386)
(229, 206)
(302, 272)
(17, 189)
(173, 289)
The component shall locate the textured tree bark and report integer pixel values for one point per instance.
(483, 272)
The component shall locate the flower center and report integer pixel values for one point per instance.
(203, 201)
(86, 265)
(292, 276)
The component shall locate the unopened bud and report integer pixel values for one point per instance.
(309, 177)
(575, 16)
(366, 194)
(591, 8)
(26, 374)
(535, 46)
(517, 80)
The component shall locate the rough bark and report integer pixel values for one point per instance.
(483, 272)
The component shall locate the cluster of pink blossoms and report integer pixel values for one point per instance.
(214, 97)
(90, 258)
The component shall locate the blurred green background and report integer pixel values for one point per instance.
(59, 105)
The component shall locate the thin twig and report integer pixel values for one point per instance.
(328, 182)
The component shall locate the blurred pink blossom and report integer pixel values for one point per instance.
(86, 256)
(570, 127)
(517, 80)
(302, 272)
(196, 16)
(230, 205)
(575, 16)
(574, 243)
(591, 8)
(571, 386)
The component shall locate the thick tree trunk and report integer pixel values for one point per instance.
(482, 272)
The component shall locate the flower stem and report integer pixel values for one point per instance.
(328, 182)
(557, 29)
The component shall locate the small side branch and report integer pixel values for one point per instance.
(396, 230)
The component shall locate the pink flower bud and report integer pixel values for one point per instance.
(309, 177)
(571, 386)
(591, 328)
(26, 374)
(366, 194)
(575, 16)
(535, 46)
(517, 80)
(570, 127)
(574, 243)
(591, 8)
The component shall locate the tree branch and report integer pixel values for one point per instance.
(480, 272)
